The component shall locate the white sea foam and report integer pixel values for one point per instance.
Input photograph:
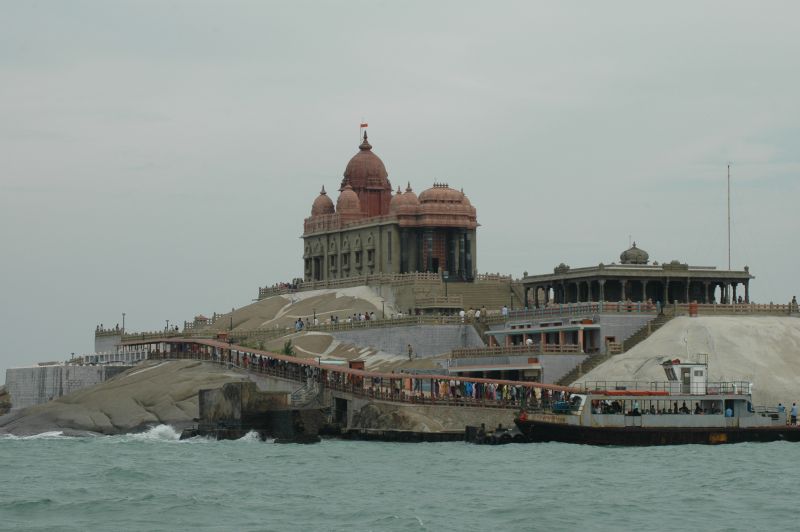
(49, 435)
(157, 433)
(250, 437)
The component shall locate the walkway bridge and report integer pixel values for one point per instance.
(405, 388)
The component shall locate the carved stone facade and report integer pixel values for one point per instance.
(371, 231)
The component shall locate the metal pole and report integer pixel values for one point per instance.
(167, 328)
(729, 216)
(123, 324)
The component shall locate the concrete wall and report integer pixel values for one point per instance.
(107, 343)
(36, 385)
(621, 326)
(427, 340)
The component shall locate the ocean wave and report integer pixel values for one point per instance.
(158, 433)
(250, 437)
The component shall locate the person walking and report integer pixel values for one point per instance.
(410, 352)
(793, 413)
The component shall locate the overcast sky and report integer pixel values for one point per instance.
(158, 158)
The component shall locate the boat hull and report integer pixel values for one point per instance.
(536, 431)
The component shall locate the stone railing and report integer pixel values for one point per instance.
(766, 309)
(107, 332)
(397, 279)
(405, 321)
(572, 309)
(501, 350)
(493, 277)
(440, 302)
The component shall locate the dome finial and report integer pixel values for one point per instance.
(322, 192)
(365, 145)
(408, 186)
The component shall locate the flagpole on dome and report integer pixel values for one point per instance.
(361, 129)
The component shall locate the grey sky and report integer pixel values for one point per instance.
(158, 158)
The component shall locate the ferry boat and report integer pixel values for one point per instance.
(684, 409)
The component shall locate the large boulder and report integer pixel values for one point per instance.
(152, 393)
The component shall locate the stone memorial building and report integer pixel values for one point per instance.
(372, 231)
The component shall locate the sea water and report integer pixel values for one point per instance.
(153, 481)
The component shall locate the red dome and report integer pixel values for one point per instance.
(405, 203)
(366, 169)
(441, 193)
(322, 205)
(348, 202)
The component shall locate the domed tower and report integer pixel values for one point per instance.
(322, 205)
(367, 176)
(404, 203)
(348, 205)
(634, 255)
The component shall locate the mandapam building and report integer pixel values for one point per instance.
(636, 279)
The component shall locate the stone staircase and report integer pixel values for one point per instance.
(481, 328)
(491, 294)
(305, 394)
(595, 360)
(649, 328)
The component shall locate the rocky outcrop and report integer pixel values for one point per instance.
(5, 401)
(149, 394)
(419, 418)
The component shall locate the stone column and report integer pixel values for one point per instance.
(706, 298)
(624, 284)
(688, 282)
(602, 284)
(644, 290)
(734, 292)
(747, 291)
(666, 291)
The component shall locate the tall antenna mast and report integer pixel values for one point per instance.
(729, 216)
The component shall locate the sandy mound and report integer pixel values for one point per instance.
(763, 350)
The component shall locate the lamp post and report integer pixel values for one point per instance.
(123, 324)
(383, 309)
(166, 329)
(445, 277)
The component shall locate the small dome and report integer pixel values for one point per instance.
(404, 203)
(634, 255)
(441, 193)
(348, 202)
(322, 205)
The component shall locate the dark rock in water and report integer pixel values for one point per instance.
(499, 436)
(300, 438)
(238, 408)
